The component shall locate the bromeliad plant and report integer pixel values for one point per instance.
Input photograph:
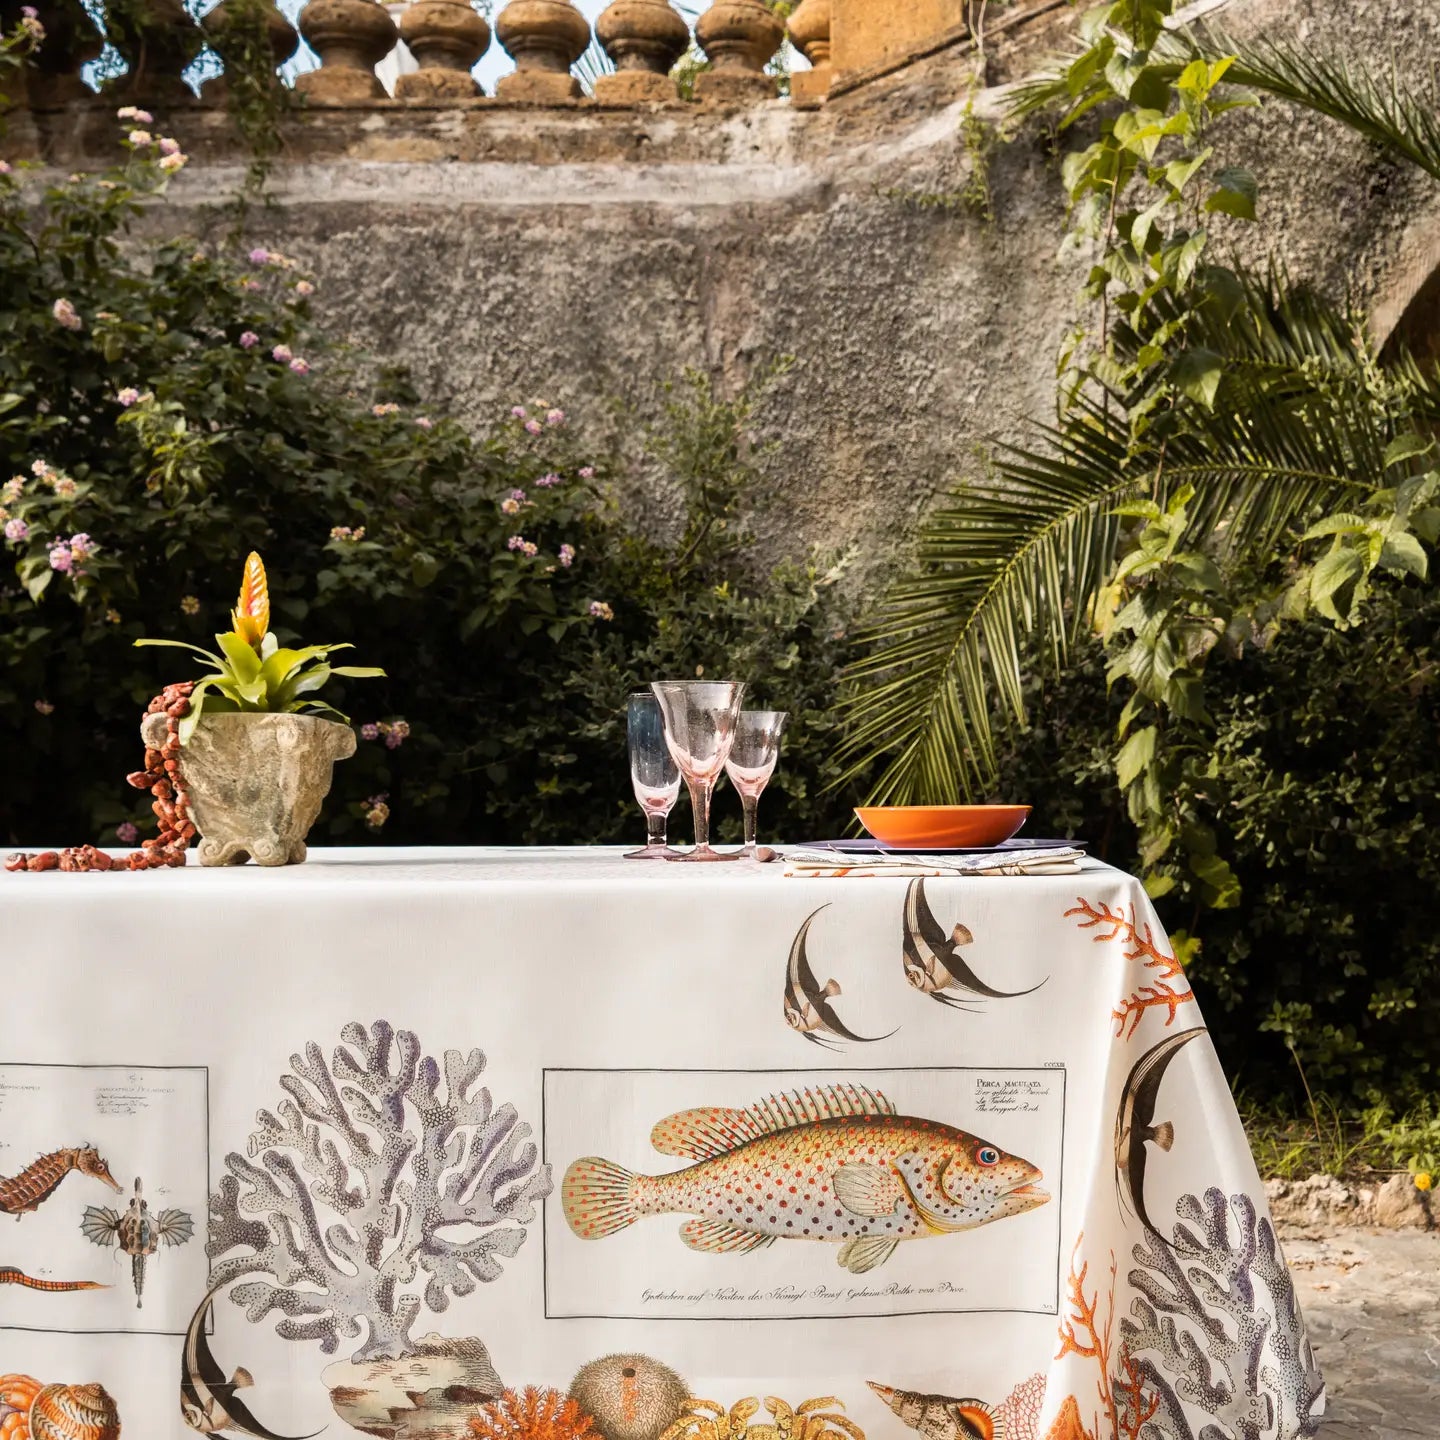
(254, 673)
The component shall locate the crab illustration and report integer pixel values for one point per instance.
(810, 1420)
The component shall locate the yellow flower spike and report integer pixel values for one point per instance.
(1423, 1181)
(251, 615)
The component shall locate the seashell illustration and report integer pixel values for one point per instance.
(30, 1410)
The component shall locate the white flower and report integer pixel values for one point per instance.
(172, 163)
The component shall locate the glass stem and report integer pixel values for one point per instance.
(700, 806)
(655, 828)
(751, 804)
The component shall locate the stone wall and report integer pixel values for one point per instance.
(589, 254)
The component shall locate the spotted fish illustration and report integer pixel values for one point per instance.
(835, 1163)
(1135, 1121)
(807, 1002)
(933, 962)
(941, 1417)
(137, 1232)
(208, 1402)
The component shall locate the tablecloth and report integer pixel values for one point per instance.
(548, 1144)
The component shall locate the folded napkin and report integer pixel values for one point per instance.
(822, 864)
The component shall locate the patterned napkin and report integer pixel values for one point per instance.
(822, 864)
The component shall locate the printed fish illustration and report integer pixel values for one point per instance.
(208, 1402)
(834, 1164)
(939, 1417)
(932, 958)
(137, 1232)
(1135, 1121)
(807, 1002)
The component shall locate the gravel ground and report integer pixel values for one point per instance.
(1372, 1302)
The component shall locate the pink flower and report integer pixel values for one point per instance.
(29, 12)
(248, 283)
(518, 495)
(126, 833)
(533, 427)
(516, 542)
(587, 472)
(259, 256)
(299, 366)
(128, 396)
(601, 611)
(554, 417)
(4, 167)
(64, 487)
(530, 549)
(396, 733)
(283, 354)
(169, 146)
(44, 707)
(14, 487)
(518, 411)
(171, 163)
(129, 112)
(60, 558)
(304, 287)
(39, 469)
(140, 138)
(424, 422)
(567, 555)
(81, 546)
(546, 481)
(370, 731)
(377, 815)
(249, 340)
(16, 530)
(388, 408)
(509, 506)
(65, 314)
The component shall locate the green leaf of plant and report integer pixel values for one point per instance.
(1407, 447)
(358, 672)
(244, 662)
(1403, 552)
(1137, 753)
(1235, 194)
(1198, 373)
(1331, 574)
(214, 659)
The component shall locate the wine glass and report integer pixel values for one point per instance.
(653, 772)
(700, 718)
(751, 761)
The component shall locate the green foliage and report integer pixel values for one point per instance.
(180, 410)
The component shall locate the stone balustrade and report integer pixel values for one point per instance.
(158, 42)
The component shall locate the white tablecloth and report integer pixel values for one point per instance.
(399, 1114)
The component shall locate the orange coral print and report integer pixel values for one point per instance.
(1084, 1333)
(533, 1414)
(1140, 944)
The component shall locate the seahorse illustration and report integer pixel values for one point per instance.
(30, 1410)
(37, 1182)
(9, 1275)
(137, 1232)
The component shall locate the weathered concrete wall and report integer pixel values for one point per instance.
(589, 256)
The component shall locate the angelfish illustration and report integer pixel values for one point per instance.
(933, 961)
(807, 1002)
(137, 1232)
(941, 1417)
(1135, 1121)
(208, 1402)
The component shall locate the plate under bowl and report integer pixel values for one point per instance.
(912, 826)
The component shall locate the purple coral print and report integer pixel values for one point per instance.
(352, 1182)
(1216, 1328)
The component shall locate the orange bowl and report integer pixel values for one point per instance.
(912, 827)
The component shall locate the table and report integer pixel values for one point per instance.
(548, 1144)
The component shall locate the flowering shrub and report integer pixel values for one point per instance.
(181, 408)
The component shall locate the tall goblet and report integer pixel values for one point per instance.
(751, 761)
(700, 718)
(653, 772)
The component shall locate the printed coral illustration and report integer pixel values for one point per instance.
(1216, 1333)
(394, 1156)
(1168, 990)
(1087, 1329)
(138, 1232)
(630, 1397)
(934, 961)
(1018, 1414)
(533, 1414)
(835, 1164)
(32, 1410)
(818, 1419)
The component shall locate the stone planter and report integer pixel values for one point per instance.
(429, 1394)
(256, 782)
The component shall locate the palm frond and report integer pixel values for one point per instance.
(1008, 572)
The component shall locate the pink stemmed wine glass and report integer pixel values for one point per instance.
(751, 762)
(700, 718)
(653, 772)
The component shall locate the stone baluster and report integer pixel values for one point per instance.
(235, 32)
(644, 38)
(446, 38)
(351, 37)
(809, 28)
(544, 38)
(738, 38)
(51, 77)
(157, 39)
